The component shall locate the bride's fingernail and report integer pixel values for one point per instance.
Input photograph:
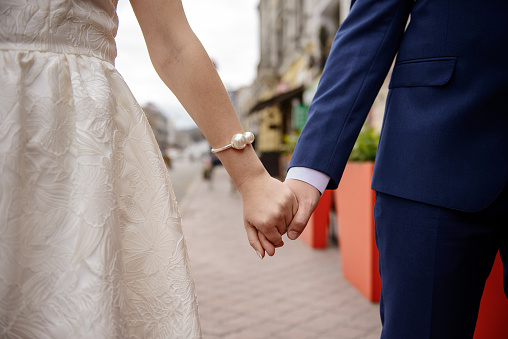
(259, 255)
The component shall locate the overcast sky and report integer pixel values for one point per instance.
(229, 30)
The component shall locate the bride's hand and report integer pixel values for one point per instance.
(268, 208)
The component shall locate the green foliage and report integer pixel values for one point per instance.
(289, 142)
(365, 147)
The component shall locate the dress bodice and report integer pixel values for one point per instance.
(64, 26)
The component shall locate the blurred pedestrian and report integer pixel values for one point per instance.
(90, 237)
(441, 169)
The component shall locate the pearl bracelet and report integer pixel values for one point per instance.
(239, 141)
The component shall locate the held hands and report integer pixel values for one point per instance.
(268, 207)
(271, 208)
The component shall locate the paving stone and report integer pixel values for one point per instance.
(343, 332)
(295, 333)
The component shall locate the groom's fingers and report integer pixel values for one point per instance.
(298, 223)
(252, 235)
(291, 211)
(267, 245)
(282, 225)
(308, 199)
(272, 234)
(287, 211)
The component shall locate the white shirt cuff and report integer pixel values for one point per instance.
(312, 177)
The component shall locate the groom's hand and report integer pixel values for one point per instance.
(308, 199)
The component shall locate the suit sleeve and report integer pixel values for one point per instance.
(361, 55)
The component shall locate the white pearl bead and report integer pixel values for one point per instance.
(249, 136)
(238, 141)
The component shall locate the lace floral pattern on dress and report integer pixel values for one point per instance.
(90, 238)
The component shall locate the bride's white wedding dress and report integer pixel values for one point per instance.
(90, 239)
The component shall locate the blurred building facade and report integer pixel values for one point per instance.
(163, 128)
(159, 124)
(295, 40)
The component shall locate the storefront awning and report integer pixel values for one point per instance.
(277, 99)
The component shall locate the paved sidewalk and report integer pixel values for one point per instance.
(298, 293)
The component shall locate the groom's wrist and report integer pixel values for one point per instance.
(311, 176)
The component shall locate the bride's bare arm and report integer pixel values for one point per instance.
(184, 66)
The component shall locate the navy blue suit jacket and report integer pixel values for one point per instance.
(444, 139)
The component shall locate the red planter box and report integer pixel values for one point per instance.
(492, 320)
(316, 232)
(355, 206)
(355, 221)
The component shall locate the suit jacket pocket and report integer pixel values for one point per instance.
(423, 72)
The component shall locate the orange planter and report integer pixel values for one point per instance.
(355, 221)
(354, 205)
(493, 316)
(316, 232)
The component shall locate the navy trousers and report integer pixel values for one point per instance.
(434, 263)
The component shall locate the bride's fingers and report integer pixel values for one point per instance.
(267, 245)
(252, 235)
